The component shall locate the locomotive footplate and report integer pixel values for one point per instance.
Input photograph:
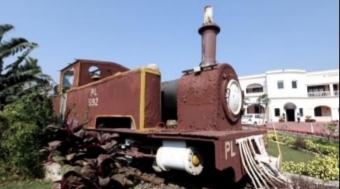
(243, 151)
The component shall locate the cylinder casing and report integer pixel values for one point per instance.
(176, 155)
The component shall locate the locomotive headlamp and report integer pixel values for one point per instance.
(234, 97)
(195, 160)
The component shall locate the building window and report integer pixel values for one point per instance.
(294, 84)
(301, 111)
(280, 85)
(316, 88)
(258, 90)
(277, 112)
(317, 112)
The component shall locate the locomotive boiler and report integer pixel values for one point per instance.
(192, 124)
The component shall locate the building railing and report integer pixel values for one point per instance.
(319, 94)
(336, 93)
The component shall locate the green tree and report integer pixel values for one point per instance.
(16, 75)
(22, 134)
(263, 99)
(25, 108)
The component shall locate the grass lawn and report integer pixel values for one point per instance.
(289, 153)
(37, 184)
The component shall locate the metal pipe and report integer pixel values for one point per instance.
(209, 32)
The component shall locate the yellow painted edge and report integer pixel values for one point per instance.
(104, 79)
(144, 71)
(155, 72)
(148, 70)
(142, 100)
(114, 115)
(152, 71)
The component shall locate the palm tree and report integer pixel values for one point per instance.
(263, 99)
(22, 71)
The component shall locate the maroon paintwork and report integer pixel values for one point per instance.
(81, 70)
(118, 95)
(203, 98)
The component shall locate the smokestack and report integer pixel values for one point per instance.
(209, 32)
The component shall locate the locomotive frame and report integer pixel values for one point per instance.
(191, 124)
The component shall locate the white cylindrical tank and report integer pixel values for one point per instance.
(176, 155)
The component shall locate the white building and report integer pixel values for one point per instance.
(314, 94)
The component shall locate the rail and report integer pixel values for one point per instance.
(336, 93)
(319, 94)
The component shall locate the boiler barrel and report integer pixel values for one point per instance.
(169, 99)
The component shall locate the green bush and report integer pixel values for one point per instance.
(88, 159)
(282, 138)
(22, 135)
(326, 168)
(308, 144)
(320, 148)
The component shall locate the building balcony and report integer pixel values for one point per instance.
(319, 94)
(329, 90)
(254, 90)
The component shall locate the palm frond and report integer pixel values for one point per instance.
(21, 74)
(24, 75)
(5, 28)
(15, 45)
(263, 99)
(13, 66)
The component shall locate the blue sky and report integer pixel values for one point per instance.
(256, 36)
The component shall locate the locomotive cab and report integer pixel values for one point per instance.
(114, 96)
(82, 72)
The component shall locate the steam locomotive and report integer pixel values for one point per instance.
(191, 124)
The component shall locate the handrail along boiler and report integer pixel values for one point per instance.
(191, 124)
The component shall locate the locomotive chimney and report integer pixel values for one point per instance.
(209, 32)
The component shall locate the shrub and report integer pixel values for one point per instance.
(296, 168)
(307, 144)
(299, 143)
(22, 136)
(282, 138)
(326, 168)
(89, 159)
(321, 148)
(308, 117)
(329, 129)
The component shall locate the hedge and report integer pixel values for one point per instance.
(324, 167)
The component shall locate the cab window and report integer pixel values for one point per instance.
(68, 79)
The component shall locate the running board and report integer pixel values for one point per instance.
(262, 169)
